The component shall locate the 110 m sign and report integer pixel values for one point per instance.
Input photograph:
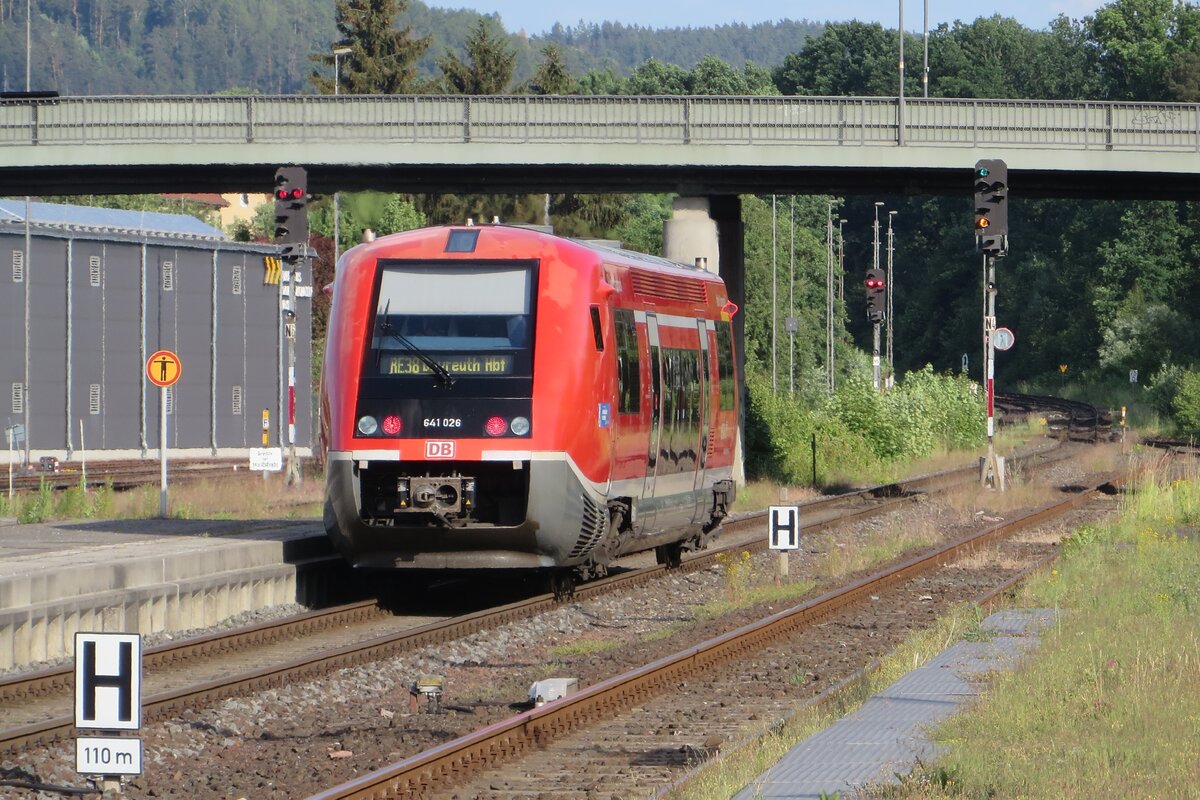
(101, 755)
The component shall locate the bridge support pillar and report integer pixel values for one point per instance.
(690, 236)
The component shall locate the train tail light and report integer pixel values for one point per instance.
(391, 425)
(496, 426)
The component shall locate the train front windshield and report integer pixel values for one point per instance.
(471, 320)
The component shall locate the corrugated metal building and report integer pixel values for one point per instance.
(97, 291)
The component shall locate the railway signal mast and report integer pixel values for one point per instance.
(876, 312)
(291, 231)
(991, 239)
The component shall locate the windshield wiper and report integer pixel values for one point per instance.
(443, 375)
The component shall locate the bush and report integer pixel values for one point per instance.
(858, 428)
(1186, 402)
(779, 433)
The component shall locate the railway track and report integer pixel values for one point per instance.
(1065, 419)
(679, 710)
(35, 707)
(123, 474)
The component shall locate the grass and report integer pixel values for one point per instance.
(843, 556)
(241, 495)
(1108, 707)
(583, 647)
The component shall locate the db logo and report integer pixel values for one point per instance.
(439, 449)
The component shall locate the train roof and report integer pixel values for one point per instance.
(607, 248)
(608, 251)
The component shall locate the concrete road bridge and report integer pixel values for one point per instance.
(691, 145)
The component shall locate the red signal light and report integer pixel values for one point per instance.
(297, 194)
(496, 426)
(874, 283)
(281, 194)
(391, 425)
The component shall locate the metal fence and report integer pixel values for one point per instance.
(846, 121)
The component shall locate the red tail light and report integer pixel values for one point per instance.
(391, 425)
(496, 426)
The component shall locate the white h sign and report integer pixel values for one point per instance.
(783, 527)
(108, 681)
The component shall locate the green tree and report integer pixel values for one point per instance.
(551, 76)
(1147, 254)
(603, 82)
(382, 59)
(653, 77)
(1140, 42)
(488, 68)
(642, 229)
(1142, 335)
(399, 214)
(990, 57)
(849, 58)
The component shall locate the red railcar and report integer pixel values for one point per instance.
(498, 397)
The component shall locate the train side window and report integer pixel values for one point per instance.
(726, 383)
(597, 333)
(629, 382)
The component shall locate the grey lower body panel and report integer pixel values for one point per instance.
(562, 516)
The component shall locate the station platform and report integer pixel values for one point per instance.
(144, 575)
(889, 733)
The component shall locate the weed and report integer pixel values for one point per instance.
(583, 648)
(735, 572)
(974, 631)
(1083, 536)
(36, 509)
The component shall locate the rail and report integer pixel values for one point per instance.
(691, 120)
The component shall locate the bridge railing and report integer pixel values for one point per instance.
(845, 121)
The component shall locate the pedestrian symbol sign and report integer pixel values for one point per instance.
(163, 368)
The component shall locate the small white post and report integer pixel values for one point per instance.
(82, 458)
(781, 577)
(162, 452)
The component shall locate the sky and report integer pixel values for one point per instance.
(538, 16)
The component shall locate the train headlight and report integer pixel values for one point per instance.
(367, 425)
(496, 426)
(520, 426)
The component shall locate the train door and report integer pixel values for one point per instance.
(705, 409)
(646, 513)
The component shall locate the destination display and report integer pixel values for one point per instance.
(496, 364)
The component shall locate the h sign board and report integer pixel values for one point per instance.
(783, 530)
(108, 681)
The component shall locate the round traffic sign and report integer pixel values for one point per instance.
(163, 368)
(1003, 339)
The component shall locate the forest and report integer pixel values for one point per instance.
(1093, 289)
